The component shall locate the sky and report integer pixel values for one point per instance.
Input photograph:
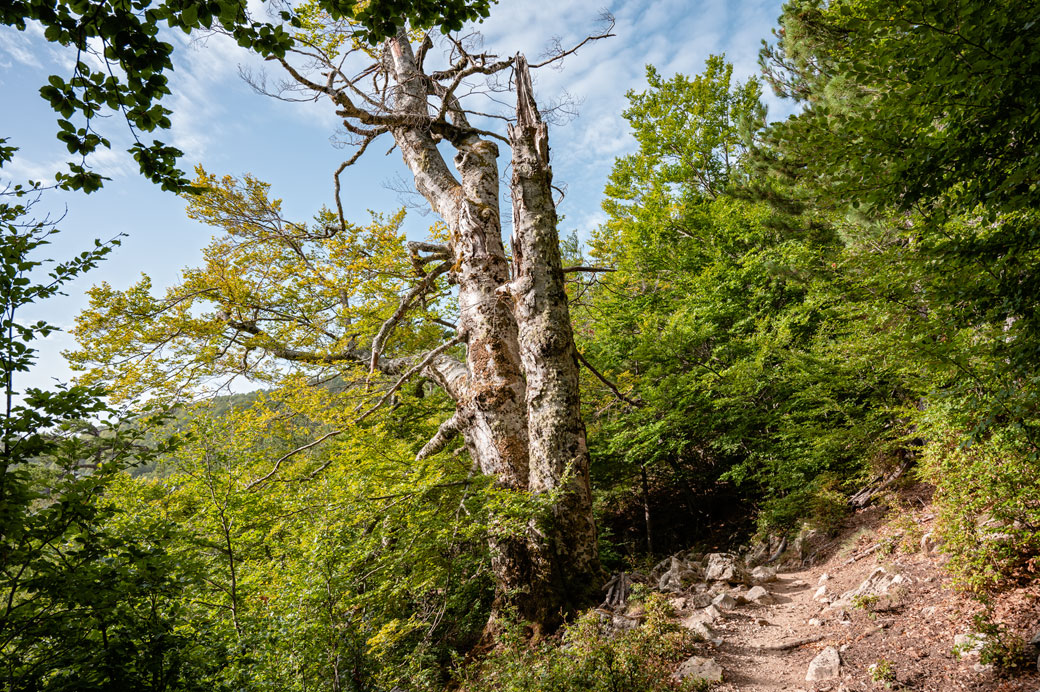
(220, 122)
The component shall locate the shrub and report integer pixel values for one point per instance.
(986, 496)
(585, 657)
(1001, 647)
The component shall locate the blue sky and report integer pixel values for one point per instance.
(220, 122)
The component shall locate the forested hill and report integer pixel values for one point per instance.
(478, 462)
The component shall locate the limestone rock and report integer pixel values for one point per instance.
(879, 583)
(710, 614)
(826, 666)
(804, 541)
(724, 601)
(740, 596)
(698, 600)
(679, 576)
(759, 595)
(763, 575)
(820, 594)
(927, 543)
(702, 630)
(726, 567)
(621, 622)
(968, 645)
(699, 668)
(1035, 639)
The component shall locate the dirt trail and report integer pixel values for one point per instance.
(908, 635)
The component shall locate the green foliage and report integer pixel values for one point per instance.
(1001, 647)
(753, 367)
(81, 607)
(883, 673)
(270, 292)
(586, 657)
(917, 135)
(343, 562)
(916, 148)
(986, 491)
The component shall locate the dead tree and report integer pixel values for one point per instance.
(516, 396)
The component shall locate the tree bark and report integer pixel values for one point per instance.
(559, 455)
(517, 406)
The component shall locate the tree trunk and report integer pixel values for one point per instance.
(559, 456)
(519, 409)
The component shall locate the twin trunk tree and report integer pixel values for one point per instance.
(517, 395)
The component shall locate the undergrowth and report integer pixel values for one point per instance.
(986, 497)
(586, 657)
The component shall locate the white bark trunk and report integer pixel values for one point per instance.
(558, 452)
(517, 408)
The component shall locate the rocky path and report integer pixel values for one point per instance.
(866, 622)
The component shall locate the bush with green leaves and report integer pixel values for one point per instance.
(986, 494)
(586, 656)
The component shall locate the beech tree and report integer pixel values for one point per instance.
(514, 387)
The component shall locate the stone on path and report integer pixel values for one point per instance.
(724, 601)
(710, 614)
(725, 567)
(826, 666)
(699, 668)
(759, 595)
(879, 583)
(702, 630)
(763, 574)
(698, 600)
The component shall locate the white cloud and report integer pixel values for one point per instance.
(18, 47)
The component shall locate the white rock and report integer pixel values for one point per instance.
(968, 644)
(698, 600)
(815, 622)
(699, 668)
(763, 575)
(679, 576)
(826, 666)
(879, 583)
(702, 630)
(820, 593)
(823, 577)
(724, 601)
(725, 567)
(710, 614)
(759, 595)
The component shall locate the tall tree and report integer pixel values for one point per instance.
(516, 399)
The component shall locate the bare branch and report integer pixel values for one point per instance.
(558, 53)
(447, 431)
(610, 385)
(588, 269)
(289, 455)
(408, 374)
(406, 302)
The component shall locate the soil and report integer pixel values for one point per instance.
(909, 635)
